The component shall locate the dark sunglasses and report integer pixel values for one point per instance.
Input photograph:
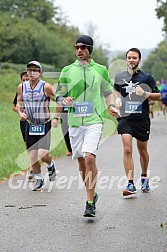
(82, 47)
(33, 70)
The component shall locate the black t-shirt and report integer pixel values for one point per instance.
(134, 107)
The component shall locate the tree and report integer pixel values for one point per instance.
(42, 10)
(19, 39)
(117, 65)
(29, 30)
(161, 12)
(156, 62)
(99, 56)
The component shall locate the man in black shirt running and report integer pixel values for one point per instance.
(132, 89)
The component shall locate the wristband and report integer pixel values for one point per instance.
(118, 100)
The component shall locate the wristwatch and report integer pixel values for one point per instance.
(111, 105)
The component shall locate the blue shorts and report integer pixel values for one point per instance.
(164, 100)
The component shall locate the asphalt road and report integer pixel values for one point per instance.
(53, 220)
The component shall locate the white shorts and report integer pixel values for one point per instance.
(85, 139)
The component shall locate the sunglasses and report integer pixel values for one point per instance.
(33, 70)
(82, 47)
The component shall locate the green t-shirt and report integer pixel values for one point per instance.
(87, 84)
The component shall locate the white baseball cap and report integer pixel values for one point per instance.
(35, 63)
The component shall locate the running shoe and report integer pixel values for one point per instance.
(31, 175)
(129, 190)
(90, 210)
(39, 185)
(145, 184)
(52, 172)
(95, 198)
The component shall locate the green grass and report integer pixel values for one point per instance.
(12, 144)
(13, 156)
(11, 141)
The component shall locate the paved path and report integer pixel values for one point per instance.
(52, 220)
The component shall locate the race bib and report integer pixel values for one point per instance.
(82, 109)
(133, 107)
(65, 108)
(37, 129)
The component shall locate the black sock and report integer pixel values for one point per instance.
(143, 175)
(131, 182)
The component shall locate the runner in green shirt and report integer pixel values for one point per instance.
(83, 87)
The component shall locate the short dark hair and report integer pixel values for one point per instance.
(22, 74)
(134, 50)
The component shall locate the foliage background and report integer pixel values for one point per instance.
(38, 30)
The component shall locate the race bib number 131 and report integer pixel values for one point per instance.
(36, 129)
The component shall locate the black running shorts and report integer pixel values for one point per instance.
(34, 142)
(138, 129)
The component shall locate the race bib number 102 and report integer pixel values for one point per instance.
(82, 109)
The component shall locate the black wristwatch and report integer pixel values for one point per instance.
(111, 105)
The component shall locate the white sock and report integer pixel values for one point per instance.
(50, 165)
(39, 176)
